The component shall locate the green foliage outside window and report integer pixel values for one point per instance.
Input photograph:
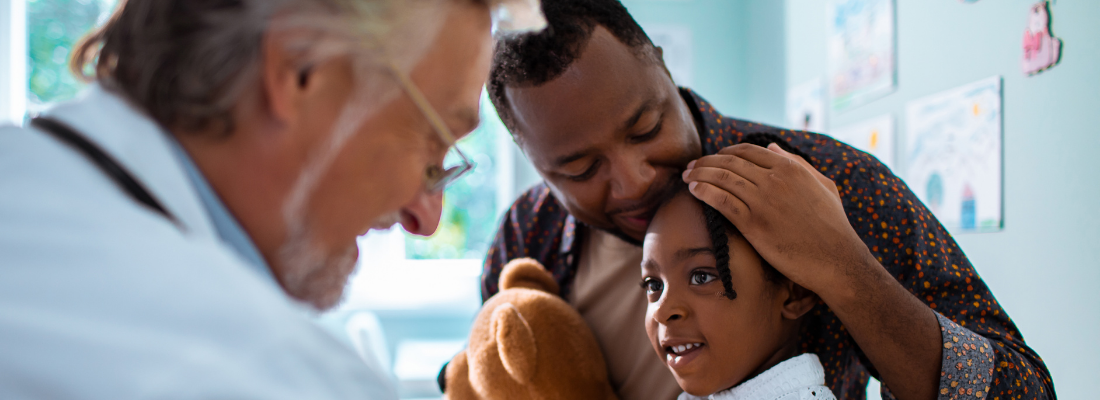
(470, 213)
(53, 27)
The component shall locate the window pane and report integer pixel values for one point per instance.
(470, 212)
(53, 27)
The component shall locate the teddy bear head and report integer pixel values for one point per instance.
(528, 343)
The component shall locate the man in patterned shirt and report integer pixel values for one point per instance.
(592, 106)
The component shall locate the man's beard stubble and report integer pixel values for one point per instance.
(654, 197)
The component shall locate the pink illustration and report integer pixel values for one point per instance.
(1041, 49)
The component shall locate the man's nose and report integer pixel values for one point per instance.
(631, 178)
(421, 215)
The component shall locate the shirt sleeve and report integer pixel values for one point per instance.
(921, 254)
(966, 371)
(506, 245)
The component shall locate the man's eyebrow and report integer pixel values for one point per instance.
(629, 123)
(646, 106)
(561, 161)
(692, 252)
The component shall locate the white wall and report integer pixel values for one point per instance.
(13, 61)
(1044, 267)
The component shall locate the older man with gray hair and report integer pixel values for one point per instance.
(168, 234)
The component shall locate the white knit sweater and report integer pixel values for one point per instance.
(798, 378)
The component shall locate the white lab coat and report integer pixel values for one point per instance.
(102, 298)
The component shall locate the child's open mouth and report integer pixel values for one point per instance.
(680, 355)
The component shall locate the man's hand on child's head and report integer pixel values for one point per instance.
(788, 211)
(828, 183)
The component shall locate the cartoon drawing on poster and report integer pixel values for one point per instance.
(675, 42)
(1041, 49)
(806, 106)
(861, 48)
(874, 136)
(953, 155)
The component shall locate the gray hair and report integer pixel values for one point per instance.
(187, 63)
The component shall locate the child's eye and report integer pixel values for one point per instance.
(700, 277)
(652, 285)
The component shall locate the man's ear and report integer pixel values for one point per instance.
(799, 301)
(282, 78)
(659, 53)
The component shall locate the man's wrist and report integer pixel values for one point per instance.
(851, 280)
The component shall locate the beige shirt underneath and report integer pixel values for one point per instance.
(607, 293)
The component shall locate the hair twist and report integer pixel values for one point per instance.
(717, 228)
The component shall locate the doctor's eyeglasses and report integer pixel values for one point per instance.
(456, 164)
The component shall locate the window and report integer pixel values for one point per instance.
(53, 28)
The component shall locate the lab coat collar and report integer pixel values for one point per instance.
(142, 147)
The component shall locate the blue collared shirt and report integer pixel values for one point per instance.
(227, 227)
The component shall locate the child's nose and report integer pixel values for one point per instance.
(670, 310)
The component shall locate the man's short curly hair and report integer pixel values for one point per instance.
(533, 59)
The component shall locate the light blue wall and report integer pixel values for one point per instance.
(725, 39)
(1044, 267)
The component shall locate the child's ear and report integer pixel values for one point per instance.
(799, 301)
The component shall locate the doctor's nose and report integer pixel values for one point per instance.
(421, 215)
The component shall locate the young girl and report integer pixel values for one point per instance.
(725, 322)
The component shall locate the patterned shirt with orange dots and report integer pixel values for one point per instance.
(984, 354)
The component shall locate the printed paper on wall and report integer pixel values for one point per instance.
(953, 155)
(806, 106)
(874, 136)
(862, 65)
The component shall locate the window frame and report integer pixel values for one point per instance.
(13, 61)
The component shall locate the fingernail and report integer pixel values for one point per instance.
(691, 165)
(684, 175)
(691, 186)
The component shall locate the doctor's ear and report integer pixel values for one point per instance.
(799, 301)
(303, 76)
(283, 80)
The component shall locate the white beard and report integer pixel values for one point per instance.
(311, 275)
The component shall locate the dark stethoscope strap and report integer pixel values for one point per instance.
(104, 161)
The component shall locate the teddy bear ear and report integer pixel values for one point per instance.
(527, 273)
(515, 342)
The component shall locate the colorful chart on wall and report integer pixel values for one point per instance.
(862, 62)
(874, 136)
(953, 155)
(806, 106)
(1041, 49)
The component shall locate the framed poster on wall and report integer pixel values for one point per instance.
(954, 158)
(862, 51)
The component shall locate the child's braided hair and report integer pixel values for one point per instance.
(719, 227)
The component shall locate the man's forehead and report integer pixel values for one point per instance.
(597, 93)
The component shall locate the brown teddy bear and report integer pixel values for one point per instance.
(528, 343)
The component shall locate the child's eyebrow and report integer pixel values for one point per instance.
(692, 252)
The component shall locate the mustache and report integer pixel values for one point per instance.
(657, 194)
(387, 221)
